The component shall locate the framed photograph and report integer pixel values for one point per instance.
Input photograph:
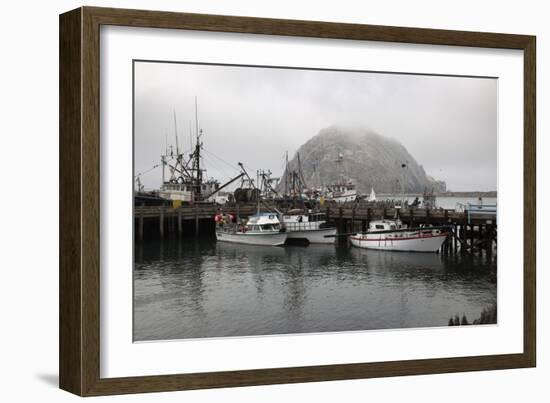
(248, 201)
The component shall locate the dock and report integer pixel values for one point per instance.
(469, 230)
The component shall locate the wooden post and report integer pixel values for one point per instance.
(368, 218)
(196, 220)
(161, 222)
(455, 242)
(427, 215)
(341, 220)
(140, 225)
(463, 237)
(472, 237)
(180, 227)
(490, 237)
(353, 218)
(363, 225)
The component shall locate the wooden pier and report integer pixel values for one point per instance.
(469, 232)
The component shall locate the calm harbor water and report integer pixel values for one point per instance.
(199, 288)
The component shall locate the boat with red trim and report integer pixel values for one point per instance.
(393, 235)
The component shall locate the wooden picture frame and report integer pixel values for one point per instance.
(79, 346)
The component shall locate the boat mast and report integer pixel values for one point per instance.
(163, 161)
(303, 184)
(197, 154)
(340, 163)
(286, 173)
(176, 134)
(404, 166)
(190, 137)
(196, 119)
(259, 193)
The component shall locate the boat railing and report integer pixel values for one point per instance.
(229, 228)
(302, 226)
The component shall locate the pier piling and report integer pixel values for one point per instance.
(180, 226)
(161, 223)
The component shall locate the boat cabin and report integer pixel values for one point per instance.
(343, 187)
(263, 222)
(306, 217)
(385, 225)
(186, 191)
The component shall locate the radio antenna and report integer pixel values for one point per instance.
(176, 133)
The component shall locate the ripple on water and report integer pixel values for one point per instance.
(200, 288)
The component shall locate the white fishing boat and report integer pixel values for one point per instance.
(312, 227)
(260, 229)
(344, 190)
(392, 235)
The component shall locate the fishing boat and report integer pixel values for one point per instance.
(260, 229)
(344, 190)
(187, 181)
(312, 227)
(393, 235)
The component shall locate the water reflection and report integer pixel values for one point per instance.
(200, 288)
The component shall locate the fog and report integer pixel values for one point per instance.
(254, 115)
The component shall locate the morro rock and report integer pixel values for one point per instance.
(369, 159)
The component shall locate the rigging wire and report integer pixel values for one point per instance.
(154, 167)
(232, 166)
(216, 166)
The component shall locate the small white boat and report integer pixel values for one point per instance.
(372, 196)
(260, 229)
(394, 236)
(312, 227)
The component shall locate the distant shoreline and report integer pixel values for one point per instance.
(492, 193)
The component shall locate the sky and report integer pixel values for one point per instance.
(254, 115)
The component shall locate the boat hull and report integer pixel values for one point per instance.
(423, 243)
(314, 235)
(272, 239)
(343, 198)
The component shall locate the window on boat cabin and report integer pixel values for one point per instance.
(392, 226)
(379, 226)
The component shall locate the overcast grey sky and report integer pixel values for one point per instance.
(254, 115)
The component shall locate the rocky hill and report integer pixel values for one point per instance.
(370, 159)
